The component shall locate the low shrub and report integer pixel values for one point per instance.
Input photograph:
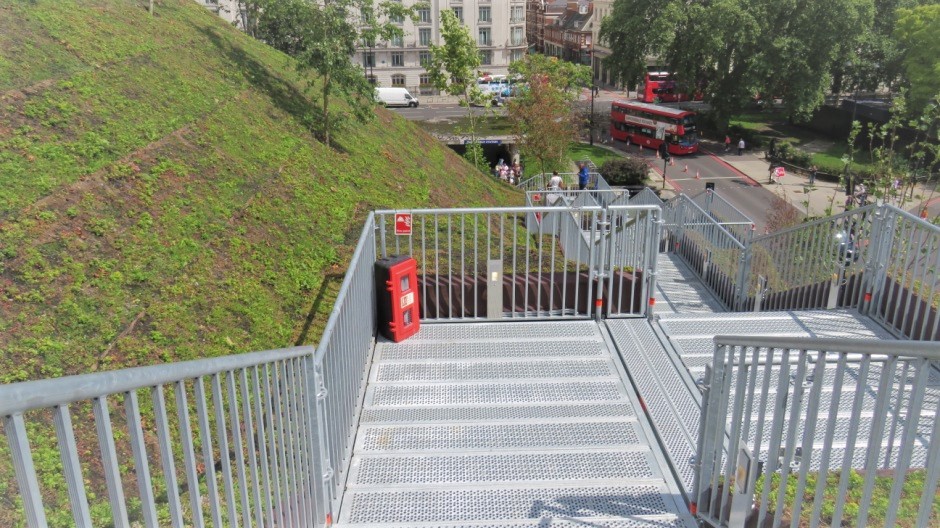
(625, 172)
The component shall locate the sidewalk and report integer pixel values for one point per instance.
(824, 198)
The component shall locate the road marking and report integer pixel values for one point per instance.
(709, 178)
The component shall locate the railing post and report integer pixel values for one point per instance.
(744, 273)
(882, 239)
(653, 268)
(600, 265)
(322, 473)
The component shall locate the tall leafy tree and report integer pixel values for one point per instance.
(918, 34)
(738, 48)
(453, 68)
(541, 115)
(322, 37)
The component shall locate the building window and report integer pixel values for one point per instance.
(366, 15)
(372, 79)
(516, 55)
(398, 80)
(424, 58)
(458, 11)
(397, 41)
(517, 14)
(424, 79)
(484, 37)
(424, 16)
(486, 57)
(518, 36)
(398, 59)
(424, 36)
(485, 15)
(396, 19)
(368, 60)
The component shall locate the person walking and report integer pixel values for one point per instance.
(727, 143)
(582, 176)
(812, 174)
(741, 147)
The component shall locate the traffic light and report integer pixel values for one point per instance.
(663, 151)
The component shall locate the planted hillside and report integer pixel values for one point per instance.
(162, 196)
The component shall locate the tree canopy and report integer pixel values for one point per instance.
(323, 38)
(918, 34)
(738, 49)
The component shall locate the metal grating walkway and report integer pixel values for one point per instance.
(505, 424)
(679, 290)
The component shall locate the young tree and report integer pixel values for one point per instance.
(541, 113)
(323, 38)
(452, 69)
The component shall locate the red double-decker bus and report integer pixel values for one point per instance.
(651, 125)
(660, 87)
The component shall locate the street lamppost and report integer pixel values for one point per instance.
(593, 90)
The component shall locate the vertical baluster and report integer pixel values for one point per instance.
(221, 432)
(148, 508)
(109, 461)
(208, 457)
(71, 466)
(162, 426)
(15, 428)
(189, 455)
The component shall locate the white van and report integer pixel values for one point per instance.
(396, 97)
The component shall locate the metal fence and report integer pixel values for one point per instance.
(726, 214)
(254, 439)
(711, 250)
(342, 363)
(156, 441)
(539, 182)
(528, 262)
(819, 432)
(878, 259)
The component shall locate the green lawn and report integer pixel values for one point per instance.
(583, 151)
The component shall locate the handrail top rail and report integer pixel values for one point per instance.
(712, 221)
(17, 398)
(496, 210)
(921, 349)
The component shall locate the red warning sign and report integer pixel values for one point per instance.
(779, 172)
(403, 224)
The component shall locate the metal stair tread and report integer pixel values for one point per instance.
(491, 436)
(470, 470)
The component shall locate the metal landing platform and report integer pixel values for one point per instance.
(506, 425)
(679, 290)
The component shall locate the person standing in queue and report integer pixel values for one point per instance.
(582, 176)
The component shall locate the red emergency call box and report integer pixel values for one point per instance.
(396, 289)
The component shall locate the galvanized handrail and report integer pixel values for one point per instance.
(768, 427)
(342, 366)
(260, 397)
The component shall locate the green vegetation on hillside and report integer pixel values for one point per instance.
(162, 197)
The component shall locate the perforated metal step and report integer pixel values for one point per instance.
(505, 424)
(679, 290)
(507, 504)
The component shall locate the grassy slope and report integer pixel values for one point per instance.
(161, 198)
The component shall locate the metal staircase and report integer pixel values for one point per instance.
(506, 424)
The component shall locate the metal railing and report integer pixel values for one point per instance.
(711, 250)
(539, 182)
(729, 216)
(342, 363)
(274, 428)
(817, 264)
(252, 417)
(819, 432)
(878, 259)
(528, 262)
